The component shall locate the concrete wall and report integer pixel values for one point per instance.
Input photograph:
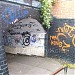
(26, 37)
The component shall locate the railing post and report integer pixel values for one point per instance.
(65, 70)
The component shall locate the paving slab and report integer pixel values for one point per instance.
(33, 65)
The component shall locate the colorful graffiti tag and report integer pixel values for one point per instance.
(66, 32)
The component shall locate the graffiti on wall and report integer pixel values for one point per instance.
(33, 38)
(26, 38)
(20, 26)
(15, 39)
(9, 14)
(26, 32)
(61, 39)
(23, 39)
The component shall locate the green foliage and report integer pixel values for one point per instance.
(45, 10)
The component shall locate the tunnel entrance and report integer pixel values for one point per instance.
(59, 41)
(10, 13)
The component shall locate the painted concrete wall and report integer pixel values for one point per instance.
(62, 31)
(26, 37)
(61, 43)
(62, 39)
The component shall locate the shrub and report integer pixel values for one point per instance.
(45, 11)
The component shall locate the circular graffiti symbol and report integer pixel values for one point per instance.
(26, 38)
(33, 39)
(26, 41)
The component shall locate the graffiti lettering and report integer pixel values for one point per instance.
(19, 26)
(54, 41)
(63, 32)
(65, 45)
(66, 29)
(16, 33)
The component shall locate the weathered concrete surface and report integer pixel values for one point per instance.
(26, 37)
(26, 65)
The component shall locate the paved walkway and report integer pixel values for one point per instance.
(32, 65)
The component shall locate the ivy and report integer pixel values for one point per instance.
(45, 10)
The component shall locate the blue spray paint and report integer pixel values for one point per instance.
(9, 14)
(33, 38)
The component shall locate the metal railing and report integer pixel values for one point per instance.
(60, 69)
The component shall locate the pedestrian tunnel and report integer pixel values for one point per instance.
(15, 13)
(21, 34)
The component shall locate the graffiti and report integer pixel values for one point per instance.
(15, 33)
(17, 39)
(25, 33)
(33, 38)
(9, 15)
(9, 40)
(26, 38)
(30, 24)
(20, 26)
(63, 33)
(67, 29)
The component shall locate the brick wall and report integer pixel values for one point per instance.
(63, 9)
(3, 63)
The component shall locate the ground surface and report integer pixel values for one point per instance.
(33, 65)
